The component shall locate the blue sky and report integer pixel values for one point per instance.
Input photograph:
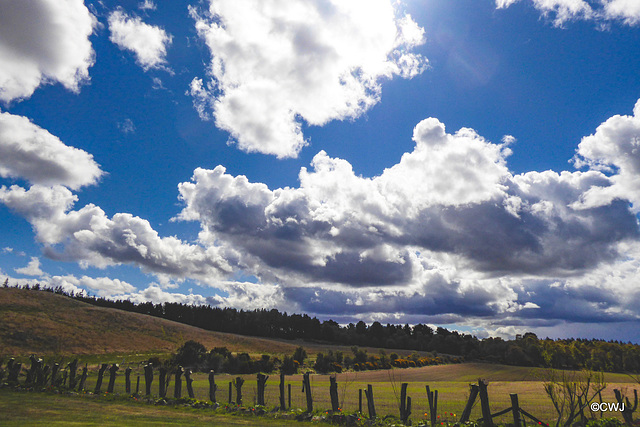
(471, 164)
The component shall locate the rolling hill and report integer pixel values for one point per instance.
(46, 323)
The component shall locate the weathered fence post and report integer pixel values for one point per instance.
(629, 409)
(515, 409)
(473, 394)
(39, 379)
(46, 375)
(54, 374)
(583, 420)
(14, 371)
(103, 368)
(73, 368)
(138, 386)
(83, 378)
(148, 378)
(237, 383)
(189, 381)
(370, 403)
(360, 400)
(289, 395)
(405, 403)
(162, 379)
(432, 397)
(282, 407)
(127, 380)
(177, 391)
(487, 420)
(63, 382)
(230, 392)
(262, 381)
(112, 377)
(212, 387)
(333, 394)
(31, 373)
(306, 388)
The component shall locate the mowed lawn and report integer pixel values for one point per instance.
(451, 382)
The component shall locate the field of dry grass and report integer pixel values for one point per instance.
(48, 324)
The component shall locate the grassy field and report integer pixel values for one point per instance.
(45, 409)
(47, 324)
(55, 327)
(451, 381)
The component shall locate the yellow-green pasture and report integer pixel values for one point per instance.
(451, 382)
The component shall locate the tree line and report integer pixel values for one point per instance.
(524, 350)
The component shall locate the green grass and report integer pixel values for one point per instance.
(34, 409)
(451, 382)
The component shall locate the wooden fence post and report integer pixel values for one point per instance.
(148, 378)
(432, 397)
(282, 407)
(487, 420)
(31, 373)
(583, 420)
(370, 402)
(138, 386)
(73, 369)
(189, 381)
(103, 368)
(212, 386)
(473, 394)
(54, 374)
(83, 378)
(262, 384)
(46, 375)
(14, 372)
(177, 390)
(629, 409)
(405, 403)
(333, 394)
(515, 408)
(237, 383)
(162, 382)
(112, 377)
(39, 379)
(289, 394)
(230, 392)
(127, 380)
(360, 400)
(306, 387)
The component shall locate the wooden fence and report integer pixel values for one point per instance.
(41, 376)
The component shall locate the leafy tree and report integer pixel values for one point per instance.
(191, 354)
(299, 355)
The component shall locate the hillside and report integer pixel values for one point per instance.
(46, 323)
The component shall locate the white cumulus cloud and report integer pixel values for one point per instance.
(277, 64)
(89, 237)
(32, 269)
(627, 11)
(43, 41)
(149, 43)
(614, 147)
(30, 152)
(452, 196)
